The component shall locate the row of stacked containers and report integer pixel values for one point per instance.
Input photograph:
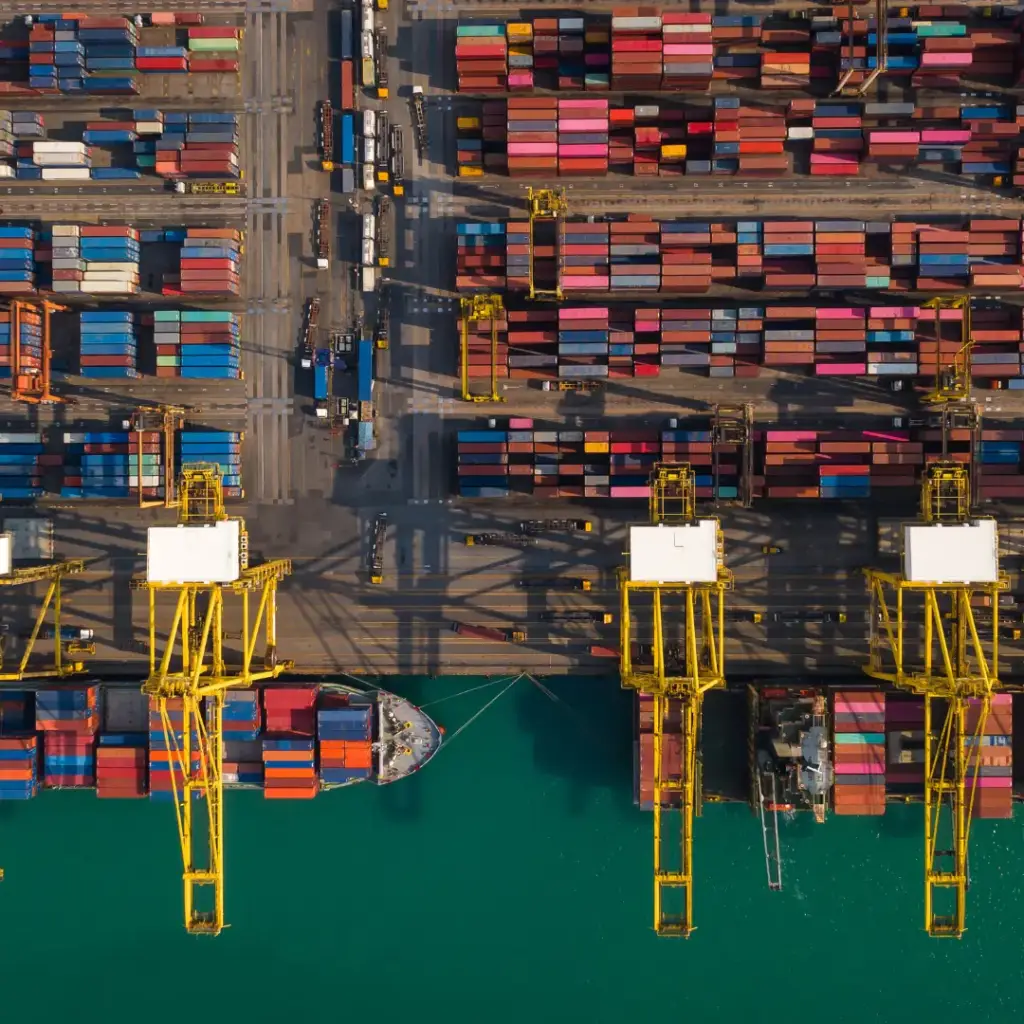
(304, 741)
(172, 145)
(643, 50)
(906, 342)
(545, 136)
(681, 256)
(787, 464)
(103, 56)
(877, 751)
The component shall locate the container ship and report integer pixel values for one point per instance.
(290, 741)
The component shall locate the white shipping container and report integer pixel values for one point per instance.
(369, 279)
(20, 438)
(67, 229)
(149, 127)
(369, 151)
(68, 264)
(57, 160)
(369, 181)
(369, 225)
(800, 133)
(369, 124)
(369, 256)
(66, 286)
(107, 275)
(65, 174)
(6, 171)
(49, 146)
(118, 267)
(109, 288)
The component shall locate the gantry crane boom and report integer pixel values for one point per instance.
(685, 676)
(480, 309)
(190, 673)
(547, 206)
(957, 663)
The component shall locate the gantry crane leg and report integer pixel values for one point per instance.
(479, 309)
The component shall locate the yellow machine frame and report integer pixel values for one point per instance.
(476, 309)
(168, 420)
(672, 502)
(190, 666)
(53, 575)
(546, 204)
(954, 667)
(953, 380)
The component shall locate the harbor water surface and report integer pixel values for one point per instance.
(508, 881)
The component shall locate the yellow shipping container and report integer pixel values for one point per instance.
(596, 35)
(520, 51)
(468, 123)
(675, 151)
(520, 31)
(596, 448)
(471, 172)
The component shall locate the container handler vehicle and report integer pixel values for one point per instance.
(384, 231)
(381, 62)
(383, 161)
(380, 337)
(500, 636)
(500, 540)
(582, 386)
(209, 188)
(309, 329)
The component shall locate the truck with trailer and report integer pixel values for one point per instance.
(397, 160)
(381, 335)
(601, 618)
(499, 636)
(322, 233)
(209, 188)
(384, 231)
(555, 583)
(502, 540)
(380, 533)
(383, 147)
(311, 324)
(381, 62)
(367, 62)
(535, 526)
(348, 152)
(419, 120)
(326, 136)
(323, 381)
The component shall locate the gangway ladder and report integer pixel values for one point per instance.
(547, 206)
(480, 309)
(696, 665)
(188, 668)
(770, 834)
(954, 666)
(32, 383)
(733, 426)
(847, 85)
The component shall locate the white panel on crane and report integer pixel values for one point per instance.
(674, 554)
(6, 553)
(953, 553)
(194, 554)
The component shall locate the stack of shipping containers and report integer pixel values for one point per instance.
(345, 741)
(68, 719)
(19, 767)
(121, 766)
(106, 464)
(213, 48)
(164, 769)
(17, 260)
(201, 344)
(20, 457)
(859, 720)
(30, 341)
(209, 264)
(243, 763)
(990, 757)
(108, 345)
(222, 448)
(289, 746)
(671, 749)
(96, 260)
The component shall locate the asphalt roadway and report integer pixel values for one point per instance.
(305, 502)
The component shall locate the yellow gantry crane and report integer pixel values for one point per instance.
(677, 556)
(203, 563)
(480, 309)
(949, 559)
(547, 206)
(848, 86)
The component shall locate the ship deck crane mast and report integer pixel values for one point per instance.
(949, 559)
(547, 206)
(660, 566)
(480, 309)
(189, 665)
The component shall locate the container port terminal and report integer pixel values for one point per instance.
(590, 340)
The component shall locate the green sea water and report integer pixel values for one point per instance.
(508, 881)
